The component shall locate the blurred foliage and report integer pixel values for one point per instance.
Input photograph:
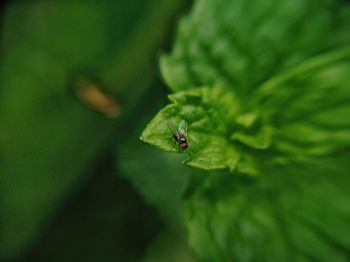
(264, 88)
(50, 141)
(100, 222)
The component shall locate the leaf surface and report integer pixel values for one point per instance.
(275, 74)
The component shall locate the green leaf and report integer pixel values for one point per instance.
(308, 106)
(295, 214)
(208, 112)
(274, 81)
(240, 44)
(284, 68)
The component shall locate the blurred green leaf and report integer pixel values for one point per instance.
(49, 138)
(294, 213)
(170, 245)
(105, 220)
(241, 44)
(281, 69)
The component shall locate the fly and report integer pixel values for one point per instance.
(180, 134)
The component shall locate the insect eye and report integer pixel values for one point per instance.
(184, 145)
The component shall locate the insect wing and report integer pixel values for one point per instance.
(182, 128)
(171, 127)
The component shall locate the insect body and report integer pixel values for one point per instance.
(180, 134)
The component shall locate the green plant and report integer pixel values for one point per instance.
(265, 90)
